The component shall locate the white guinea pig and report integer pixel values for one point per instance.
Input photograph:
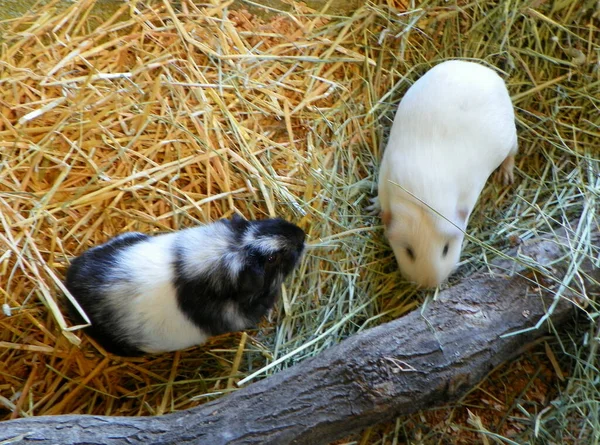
(453, 128)
(148, 294)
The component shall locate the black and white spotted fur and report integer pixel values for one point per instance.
(149, 294)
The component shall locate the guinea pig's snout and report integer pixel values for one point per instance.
(299, 241)
(426, 280)
(429, 282)
(434, 279)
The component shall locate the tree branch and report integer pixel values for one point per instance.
(421, 360)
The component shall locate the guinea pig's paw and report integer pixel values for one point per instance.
(505, 173)
(375, 208)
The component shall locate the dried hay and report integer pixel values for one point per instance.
(156, 118)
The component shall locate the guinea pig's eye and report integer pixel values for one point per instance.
(410, 253)
(271, 259)
(445, 251)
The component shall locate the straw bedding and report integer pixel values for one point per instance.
(161, 116)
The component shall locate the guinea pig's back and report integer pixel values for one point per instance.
(143, 292)
(90, 279)
(90, 274)
(457, 111)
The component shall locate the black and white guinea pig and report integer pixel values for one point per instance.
(150, 294)
(453, 128)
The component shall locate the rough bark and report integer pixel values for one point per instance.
(423, 359)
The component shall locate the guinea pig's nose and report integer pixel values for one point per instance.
(300, 240)
(429, 283)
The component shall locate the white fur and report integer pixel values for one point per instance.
(453, 128)
(203, 246)
(151, 314)
(266, 245)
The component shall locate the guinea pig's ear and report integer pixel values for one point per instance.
(386, 217)
(236, 218)
(463, 215)
(238, 223)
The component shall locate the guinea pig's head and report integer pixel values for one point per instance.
(427, 247)
(268, 251)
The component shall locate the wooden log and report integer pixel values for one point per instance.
(422, 360)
